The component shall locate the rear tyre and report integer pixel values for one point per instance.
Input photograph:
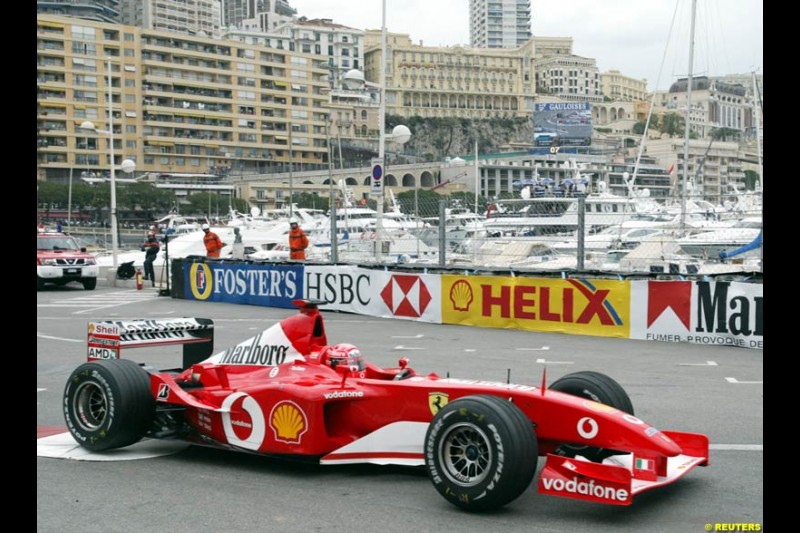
(108, 404)
(89, 283)
(39, 283)
(481, 452)
(599, 388)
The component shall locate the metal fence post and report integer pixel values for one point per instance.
(581, 231)
(334, 234)
(442, 234)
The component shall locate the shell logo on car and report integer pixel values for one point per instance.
(288, 422)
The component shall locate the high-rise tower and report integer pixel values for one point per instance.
(499, 23)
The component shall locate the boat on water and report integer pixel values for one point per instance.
(709, 244)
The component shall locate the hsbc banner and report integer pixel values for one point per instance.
(698, 312)
(579, 306)
(375, 292)
(265, 285)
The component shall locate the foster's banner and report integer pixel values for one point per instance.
(579, 306)
(267, 285)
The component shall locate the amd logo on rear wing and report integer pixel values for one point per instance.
(107, 338)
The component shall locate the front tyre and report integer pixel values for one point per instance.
(481, 452)
(599, 388)
(108, 404)
(89, 283)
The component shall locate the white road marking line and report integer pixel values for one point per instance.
(734, 380)
(470, 350)
(543, 362)
(707, 363)
(39, 390)
(401, 347)
(407, 336)
(542, 349)
(58, 338)
(737, 447)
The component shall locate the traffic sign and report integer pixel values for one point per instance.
(377, 177)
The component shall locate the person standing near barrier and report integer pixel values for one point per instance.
(211, 241)
(150, 249)
(298, 242)
(237, 251)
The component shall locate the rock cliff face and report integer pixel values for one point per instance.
(434, 139)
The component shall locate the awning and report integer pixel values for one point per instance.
(46, 24)
(159, 143)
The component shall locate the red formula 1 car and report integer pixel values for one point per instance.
(287, 392)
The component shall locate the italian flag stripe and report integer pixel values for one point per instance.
(643, 464)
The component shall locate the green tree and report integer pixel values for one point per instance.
(750, 179)
(724, 134)
(145, 199)
(672, 124)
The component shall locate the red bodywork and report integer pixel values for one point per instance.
(271, 395)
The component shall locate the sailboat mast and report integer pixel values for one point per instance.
(688, 119)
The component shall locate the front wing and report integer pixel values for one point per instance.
(619, 478)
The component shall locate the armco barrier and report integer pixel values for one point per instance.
(688, 311)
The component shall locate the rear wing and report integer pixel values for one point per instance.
(107, 338)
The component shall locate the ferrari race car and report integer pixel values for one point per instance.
(286, 392)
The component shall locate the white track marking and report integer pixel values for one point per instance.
(737, 447)
(736, 381)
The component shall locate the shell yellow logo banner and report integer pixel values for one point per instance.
(578, 306)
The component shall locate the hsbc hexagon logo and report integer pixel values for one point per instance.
(406, 296)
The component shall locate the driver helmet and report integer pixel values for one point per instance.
(346, 354)
(293, 221)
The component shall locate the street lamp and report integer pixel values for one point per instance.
(127, 166)
(400, 134)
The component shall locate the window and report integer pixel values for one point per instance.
(89, 81)
(89, 65)
(130, 129)
(83, 32)
(128, 36)
(87, 49)
(131, 145)
(129, 52)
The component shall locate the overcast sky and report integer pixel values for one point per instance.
(633, 36)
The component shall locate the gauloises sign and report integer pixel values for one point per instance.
(578, 306)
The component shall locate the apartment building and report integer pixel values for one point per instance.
(499, 23)
(715, 104)
(621, 88)
(179, 103)
(256, 15)
(569, 77)
(454, 81)
(714, 166)
(197, 17)
(97, 10)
